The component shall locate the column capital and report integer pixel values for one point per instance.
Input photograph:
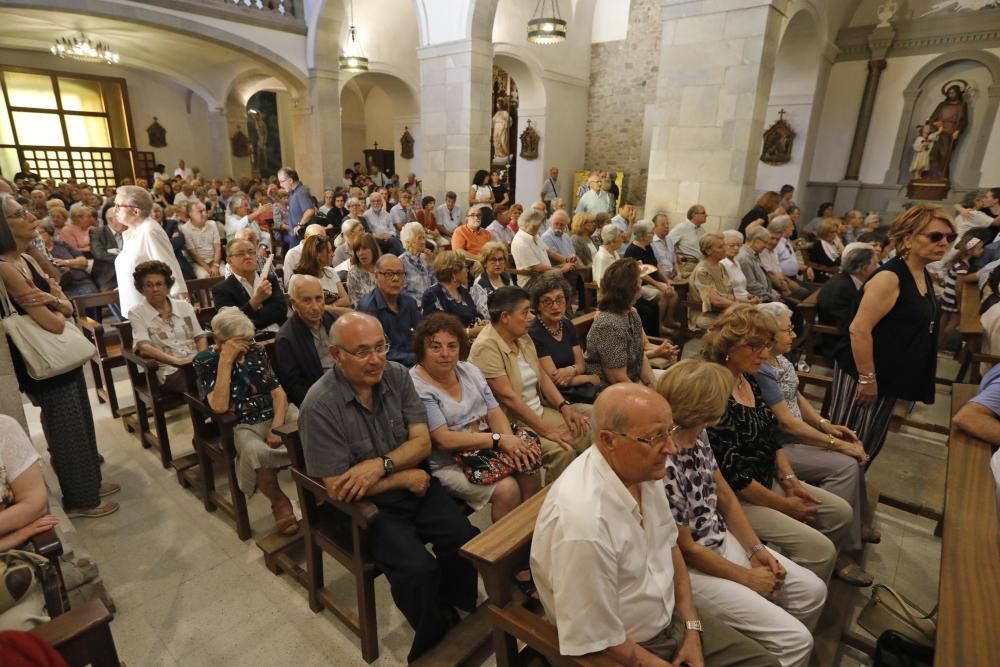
(880, 41)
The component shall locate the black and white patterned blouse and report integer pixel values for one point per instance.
(691, 492)
(746, 441)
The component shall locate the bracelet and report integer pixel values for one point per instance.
(831, 442)
(754, 549)
(822, 421)
(866, 378)
(785, 478)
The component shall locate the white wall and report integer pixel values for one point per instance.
(352, 123)
(149, 95)
(610, 20)
(562, 142)
(836, 126)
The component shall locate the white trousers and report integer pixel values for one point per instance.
(783, 627)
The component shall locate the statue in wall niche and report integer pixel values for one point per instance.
(953, 116)
(927, 136)
(529, 143)
(406, 144)
(157, 134)
(501, 132)
(778, 140)
(240, 143)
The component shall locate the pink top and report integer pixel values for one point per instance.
(76, 237)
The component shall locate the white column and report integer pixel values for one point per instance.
(456, 82)
(316, 127)
(716, 65)
(218, 140)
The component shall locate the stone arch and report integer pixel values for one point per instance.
(978, 141)
(527, 73)
(364, 101)
(481, 19)
(284, 69)
(794, 88)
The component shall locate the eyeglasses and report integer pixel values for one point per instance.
(654, 440)
(757, 346)
(559, 300)
(496, 259)
(392, 275)
(937, 237)
(364, 354)
(19, 213)
(243, 253)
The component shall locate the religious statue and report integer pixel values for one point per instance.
(501, 132)
(258, 156)
(157, 134)
(529, 143)
(922, 146)
(406, 144)
(240, 143)
(885, 12)
(778, 140)
(952, 113)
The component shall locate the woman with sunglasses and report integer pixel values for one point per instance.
(751, 588)
(891, 353)
(806, 523)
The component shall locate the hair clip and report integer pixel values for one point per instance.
(971, 243)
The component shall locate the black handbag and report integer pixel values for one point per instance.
(581, 393)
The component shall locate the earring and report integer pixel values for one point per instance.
(727, 358)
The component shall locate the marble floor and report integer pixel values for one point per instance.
(189, 592)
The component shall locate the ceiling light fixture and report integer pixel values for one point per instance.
(352, 58)
(80, 47)
(546, 26)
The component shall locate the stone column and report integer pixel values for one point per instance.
(218, 139)
(316, 126)
(456, 86)
(713, 86)
(879, 42)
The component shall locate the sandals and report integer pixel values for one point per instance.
(93, 512)
(853, 575)
(287, 524)
(109, 489)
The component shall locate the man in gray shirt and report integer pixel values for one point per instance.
(364, 432)
(685, 237)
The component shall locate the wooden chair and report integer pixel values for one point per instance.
(353, 554)
(213, 444)
(109, 351)
(499, 552)
(47, 544)
(200, 291)
(82, 635)
(150, 398)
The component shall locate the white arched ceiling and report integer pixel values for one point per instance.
(571, 58)
(401, 93)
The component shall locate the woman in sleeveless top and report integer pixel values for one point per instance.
(481, 197)
(66, 418)
(891, 353)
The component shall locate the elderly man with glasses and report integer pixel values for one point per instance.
(397, 312)
(259, 297)
(364, 432)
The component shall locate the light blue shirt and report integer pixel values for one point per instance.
(664, 256)
(594, 202)
(380, 223)
(560, 243)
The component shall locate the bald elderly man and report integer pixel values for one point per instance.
(604, 553)
(301, 347)
(364, 432)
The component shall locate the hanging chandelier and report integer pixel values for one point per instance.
(546, 26)
(80, 47)
(352, 58)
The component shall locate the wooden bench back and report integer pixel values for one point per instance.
(582, 324)
(200, 291)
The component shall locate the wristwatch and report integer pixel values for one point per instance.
(693, 625)
(496, 440)
(388, 465)
(563, 405)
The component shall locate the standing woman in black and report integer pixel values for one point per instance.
(891, 353)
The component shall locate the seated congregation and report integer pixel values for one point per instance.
(442, 361)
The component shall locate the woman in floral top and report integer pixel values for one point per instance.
(733, 575)
(419, 276)
(806, 523)
(234, 376)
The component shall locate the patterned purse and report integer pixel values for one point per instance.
(489, 466)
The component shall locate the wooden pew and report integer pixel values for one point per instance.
(971, 329)
(82, 636)
(969, 593)
(108, 355)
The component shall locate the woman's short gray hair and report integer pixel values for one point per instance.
(530, 221)
(641, 230)
(759, 234)
(410, 231)
(230, 322)
(46, 224)
(610, 233)
(775, 310)
(236, 201)
(779, 224)
(733, 234)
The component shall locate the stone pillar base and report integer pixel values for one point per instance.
(928, 189)
(847, 196)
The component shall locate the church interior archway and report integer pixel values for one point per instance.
(376, 109)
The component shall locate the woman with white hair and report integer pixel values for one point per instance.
(733, 241)
(530, 255)
(419, 275)
(234, 376)
(821, 453)
(607, 254)
(655, 286)
(784, 252)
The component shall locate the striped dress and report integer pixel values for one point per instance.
(949, 299)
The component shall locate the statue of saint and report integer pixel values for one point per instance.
(241, 143)
(157, 134)
(953, 115)
(501, 132)
(406, 144)
(529, 143)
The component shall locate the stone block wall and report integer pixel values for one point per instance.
(623, 78)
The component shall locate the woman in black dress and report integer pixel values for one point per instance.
(891, 353)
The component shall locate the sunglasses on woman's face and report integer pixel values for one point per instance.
(937, 237)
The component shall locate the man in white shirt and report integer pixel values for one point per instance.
(185, 196)
(201, 239)
(381, 225)
(604, 553)
(183, 172)
(595, 200)
(686, 236)
(664, 251)
(528, 251)
(294, 255)
(143, 239)
(449, 215)
(550, 189)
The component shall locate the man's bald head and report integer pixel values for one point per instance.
(353, 326)
(314, 230)
(304, 285)
(620, 404)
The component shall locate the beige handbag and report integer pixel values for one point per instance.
(887, 610)
(22, 589)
